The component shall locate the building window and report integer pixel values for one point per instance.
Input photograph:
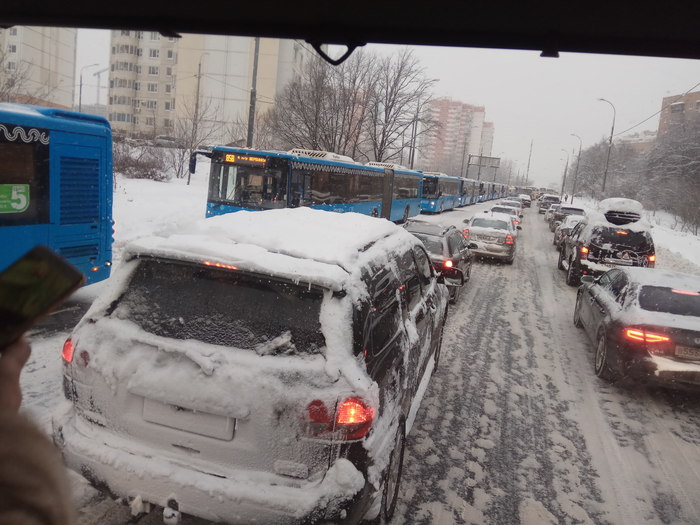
(150, 121)
(153, 87)
(677, 107)
(171, 54)
(139, 35)
(135, 120)
(138, 69)
(125, 33)
(167, 88)
(152, 104)
(139, 52)
(12, 48)
(167, 106)
(13, 31)
(153, 53)
(155, 35)
(152, 70)
(167, 123)
(169, 71)
(11, 66)
(137, 86)
(114, 50)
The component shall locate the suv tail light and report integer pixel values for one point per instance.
(353, 419)
(465, 233)
(651, 260)
(583, 252)
(448, 263)
(509, 239)
(68, 349)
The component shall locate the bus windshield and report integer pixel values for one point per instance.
(248, 186)
(430, 188)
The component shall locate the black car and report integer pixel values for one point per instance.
(447, 249)
(602, 241)
(560, 213)
(645, 325)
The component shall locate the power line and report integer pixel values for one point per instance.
(662, 108)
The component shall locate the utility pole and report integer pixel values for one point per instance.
(563, 181)
(578, 159)
(253, 94)
(414, 133)
(195, 120)
(527, 172)
(481, 159)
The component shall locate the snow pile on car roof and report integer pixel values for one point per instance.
(620, 211)
(302, 244)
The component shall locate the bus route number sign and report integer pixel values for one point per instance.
(248, 160)
(14, 198)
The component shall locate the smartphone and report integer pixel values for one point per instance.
(31, 287)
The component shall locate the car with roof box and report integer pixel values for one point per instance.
(256, 366)
(645, 325)
(612, 235)
(448, 250)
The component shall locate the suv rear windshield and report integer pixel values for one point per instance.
(432, 243)
(662, 299)
(490, 223)
(222, 307)
(616, 237)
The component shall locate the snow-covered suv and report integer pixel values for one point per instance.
(614, 235)
(256, 367)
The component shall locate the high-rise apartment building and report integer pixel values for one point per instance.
(39, 63)
(677, 110)
(461, 133)
(158, 85)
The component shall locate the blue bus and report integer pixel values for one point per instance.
(470, 192)
(440, 192)
(56, 186)
(246, 179)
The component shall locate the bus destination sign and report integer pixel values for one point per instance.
(247, 160)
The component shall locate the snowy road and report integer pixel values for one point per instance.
(515, 427)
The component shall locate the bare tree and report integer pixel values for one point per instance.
(396, 105)
(197, 125)
(15, 83)
(237, 132)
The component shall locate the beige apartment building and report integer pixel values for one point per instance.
(158, 84)
(40, 64)
(677, 110)
(462, 133)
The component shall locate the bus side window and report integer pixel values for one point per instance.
(300, 189)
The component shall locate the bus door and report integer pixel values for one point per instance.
(388, 193)
(80, 209)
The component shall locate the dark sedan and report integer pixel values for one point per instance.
(447, 249)
(645, 324)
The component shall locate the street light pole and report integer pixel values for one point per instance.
(612, 131)
(80, 90)
(563, 180)
(578, 160)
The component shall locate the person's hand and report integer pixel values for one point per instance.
(12, 360)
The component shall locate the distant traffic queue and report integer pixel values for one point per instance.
(248, 179)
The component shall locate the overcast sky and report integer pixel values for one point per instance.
(528, 98)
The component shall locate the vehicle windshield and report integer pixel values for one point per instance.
(490, 223)
(248, 186)
(432, 243)
(431, 188)
(669, 300)
(222, 307)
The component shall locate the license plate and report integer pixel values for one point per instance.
(202, 423)
(687, 352)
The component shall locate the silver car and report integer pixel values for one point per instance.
(493, 235)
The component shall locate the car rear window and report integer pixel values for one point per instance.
(490, 223)
(669, 300)
(432, 243)
(504, 209)
(572, 211)
(222, 307)
(637, 241)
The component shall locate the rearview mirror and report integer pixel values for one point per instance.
(452, 277)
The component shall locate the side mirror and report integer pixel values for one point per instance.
(453, 277)
(587, 279)
(519, 227)
(472, 246)
(466, 221)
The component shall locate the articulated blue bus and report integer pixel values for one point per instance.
(56, 186)
(440, 192)
(470, 192)
(246, 179)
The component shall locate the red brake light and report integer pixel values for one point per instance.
(353, 419)
(583, 252)
(465, 233)
(647, 337)
(509, 239)
(651, 258)
(448, 264)
(684, 292)
(68, 351)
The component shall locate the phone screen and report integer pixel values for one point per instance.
(31, 287)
